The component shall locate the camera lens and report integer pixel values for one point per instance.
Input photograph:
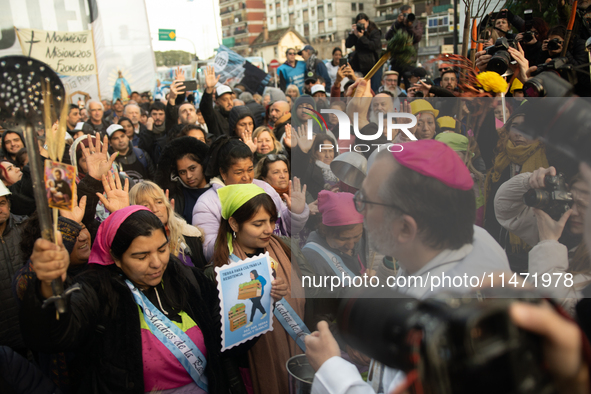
(499, 62)
(536, 198)
(533, 88)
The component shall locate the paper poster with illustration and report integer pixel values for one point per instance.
(245, 301)
(60, 184)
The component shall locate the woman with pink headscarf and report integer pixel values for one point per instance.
(339, 246)
(141, 320)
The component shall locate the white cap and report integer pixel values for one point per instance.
(223, 89)
(4, 190)
(113, 128)
(317, 88)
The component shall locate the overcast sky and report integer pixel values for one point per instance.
(194, 20)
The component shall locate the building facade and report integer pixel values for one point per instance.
(324, 23)
(242, 22)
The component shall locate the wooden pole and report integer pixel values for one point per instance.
(569, 29)
(98, 84)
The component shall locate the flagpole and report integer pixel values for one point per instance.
(98, 84)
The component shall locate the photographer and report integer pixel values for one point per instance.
(531, 39)
(406, 21)
(557, 245)
(367, 40)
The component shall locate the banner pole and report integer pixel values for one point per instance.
(98, 84)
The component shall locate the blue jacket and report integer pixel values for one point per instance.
(263, 283)
(292, 75)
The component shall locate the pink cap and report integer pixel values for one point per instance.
(435, 160)
(338, 209)
(101, 248)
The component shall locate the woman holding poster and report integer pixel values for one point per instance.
(246, 230)
(140, 320)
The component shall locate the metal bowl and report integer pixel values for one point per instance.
(350, 168)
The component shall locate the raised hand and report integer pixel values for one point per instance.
(176, 88)
(246, 137)
(179, 74)
(287, 138)
(77, 212)
(117, 197)
(97, 158)
(171, 201)
(210, 79)
(295, 199)
(302, 136)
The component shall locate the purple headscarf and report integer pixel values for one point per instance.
(101, 249)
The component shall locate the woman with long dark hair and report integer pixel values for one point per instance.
(119, 323)
(246, 230)
(230, 162)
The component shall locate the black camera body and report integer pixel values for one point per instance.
(456, 344)
(528, 36)
(409, 18)
(500, 56)
(554, 44)
(360, 27)
(554, 199)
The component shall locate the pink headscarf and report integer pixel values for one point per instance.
(338, 209)
(101, 249)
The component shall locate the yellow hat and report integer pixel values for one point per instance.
(516, 85)
(446, 122)
(418, 106)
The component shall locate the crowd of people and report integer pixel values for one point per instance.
(167, 191)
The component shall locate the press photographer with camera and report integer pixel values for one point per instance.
(537, 207)
(367, 40)
(533, 32)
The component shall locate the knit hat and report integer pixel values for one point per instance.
(457, 142)
(338, 209)
(236, 114)
(436, 160)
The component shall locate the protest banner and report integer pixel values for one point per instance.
(68, 53)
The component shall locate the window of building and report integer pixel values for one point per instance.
(320, 26)
(291, 18)
(329, 23)
(312, 13)
(270, 7)
(353, 6)
(306, 29)
(360, 6)
(329, 8)
(289, 3)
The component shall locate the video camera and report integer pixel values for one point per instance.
(554, 199)
(456, 345)
(500, 56)
(547, 80)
